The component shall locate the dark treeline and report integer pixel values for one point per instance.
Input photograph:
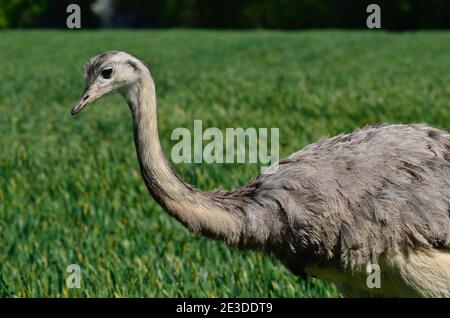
(278, 14)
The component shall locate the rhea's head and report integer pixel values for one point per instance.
(108, 72)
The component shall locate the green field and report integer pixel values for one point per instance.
(70, 189)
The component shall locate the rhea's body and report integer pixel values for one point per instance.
(379, 195)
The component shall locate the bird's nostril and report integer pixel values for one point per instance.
(85, 97)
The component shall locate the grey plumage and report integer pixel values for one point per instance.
(378, 195)
(354, 196)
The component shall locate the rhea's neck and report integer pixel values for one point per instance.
(197, 210)
(158, 175)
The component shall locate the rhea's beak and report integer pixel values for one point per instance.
(85, 99)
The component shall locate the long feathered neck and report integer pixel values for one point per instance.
(199, 211)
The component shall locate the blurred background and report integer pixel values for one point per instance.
(230, 14)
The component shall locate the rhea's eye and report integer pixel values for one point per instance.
(107, 73)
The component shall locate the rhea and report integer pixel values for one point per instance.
(379, 195)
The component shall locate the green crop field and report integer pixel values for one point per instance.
(70, 189)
